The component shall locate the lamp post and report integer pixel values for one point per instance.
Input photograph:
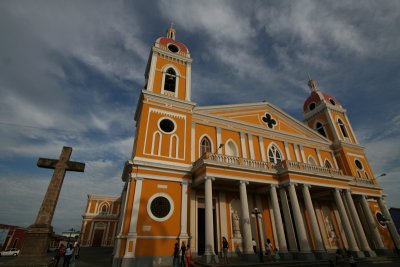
(256, 213)
(72, 230)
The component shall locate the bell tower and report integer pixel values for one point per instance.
(328, 117)
(168, 70)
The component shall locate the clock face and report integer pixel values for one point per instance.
(173, 48)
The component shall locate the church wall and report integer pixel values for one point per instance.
(266, 216)
(129, 203)
(383, 230)
(311, 152)
(321, 117)
(291, 152)
(327, 155)
(256, 145)
(335, 116)
(227, 135)
(169, 227)
(343, 162)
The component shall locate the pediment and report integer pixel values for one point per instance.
(263, 115)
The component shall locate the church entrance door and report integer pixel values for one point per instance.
(201, 234)
(97, 237)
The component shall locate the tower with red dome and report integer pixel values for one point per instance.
(326, 115)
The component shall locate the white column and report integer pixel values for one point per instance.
(247, 241)
(345, 220)
(209, 227)
(278, 220)
(131, 238)
(319, 246)
(371, 223)
(193, 142)
(298, 219)
(183, 234)
(303, 155)
(288, 220)
(356, 220)
(193, 224)
(390, 224)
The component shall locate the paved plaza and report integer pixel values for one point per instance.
(102, 257)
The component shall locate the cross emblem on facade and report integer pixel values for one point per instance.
(269, 120)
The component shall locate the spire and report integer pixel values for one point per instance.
(171, 33)
(312, 84)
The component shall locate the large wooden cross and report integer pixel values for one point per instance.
(60, 166)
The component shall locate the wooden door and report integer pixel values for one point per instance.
(97, 237)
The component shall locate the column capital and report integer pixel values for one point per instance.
(292, 183)
(243, 182)
(273, 186)
(337, 190)
(209, 177)
(306, 185)
(139, 178)
(185, 182)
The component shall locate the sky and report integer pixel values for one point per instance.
(71, 73)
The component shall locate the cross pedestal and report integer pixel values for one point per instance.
(38, 236)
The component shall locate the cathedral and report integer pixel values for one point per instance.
(244, 172)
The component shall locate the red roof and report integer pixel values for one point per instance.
(166, 41)
(317, 97)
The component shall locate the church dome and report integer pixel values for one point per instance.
(316, 97)
(170, 44)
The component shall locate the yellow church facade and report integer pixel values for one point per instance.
(198, 174)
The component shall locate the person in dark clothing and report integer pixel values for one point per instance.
(225, 246)
(176, 254)
(183, 251)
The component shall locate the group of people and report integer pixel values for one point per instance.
(185, 252)
(68, 254)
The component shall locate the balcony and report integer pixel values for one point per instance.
(286, 165)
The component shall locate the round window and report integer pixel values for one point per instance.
(332, 101)
(173, 48)
(380, 219)
(358, 164)
(167, 125)
(311, 106)
(160, 207)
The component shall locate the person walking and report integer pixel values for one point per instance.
(60, 252)
(183, 251)
(225, 246)
(268, 248)
(254, 246)
(189, 261)
(68, 255)
(176, 254)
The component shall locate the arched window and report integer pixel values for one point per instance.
(342, 128)
(205, 146)
(274, 155)
(231, 149)
(170, 80)
(312, 161)
(104, 209)
(328, 164)
(320, 129)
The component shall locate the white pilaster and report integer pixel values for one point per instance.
(319, 246)
(251, 146)
(243, 144)
(183, 234)
(334, 160)
(247, 241)
(150, 81)
(193, 141)
(298, 220)
(131, 238)
(321, 163)
(278, 220)
(193, 210)
(262, 149)
(296, 152)
(219, 139)
(287, 150)
(188, 81)
(303, 156)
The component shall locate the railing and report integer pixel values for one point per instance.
(364, 181)
(236, 161)
(294, 165)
